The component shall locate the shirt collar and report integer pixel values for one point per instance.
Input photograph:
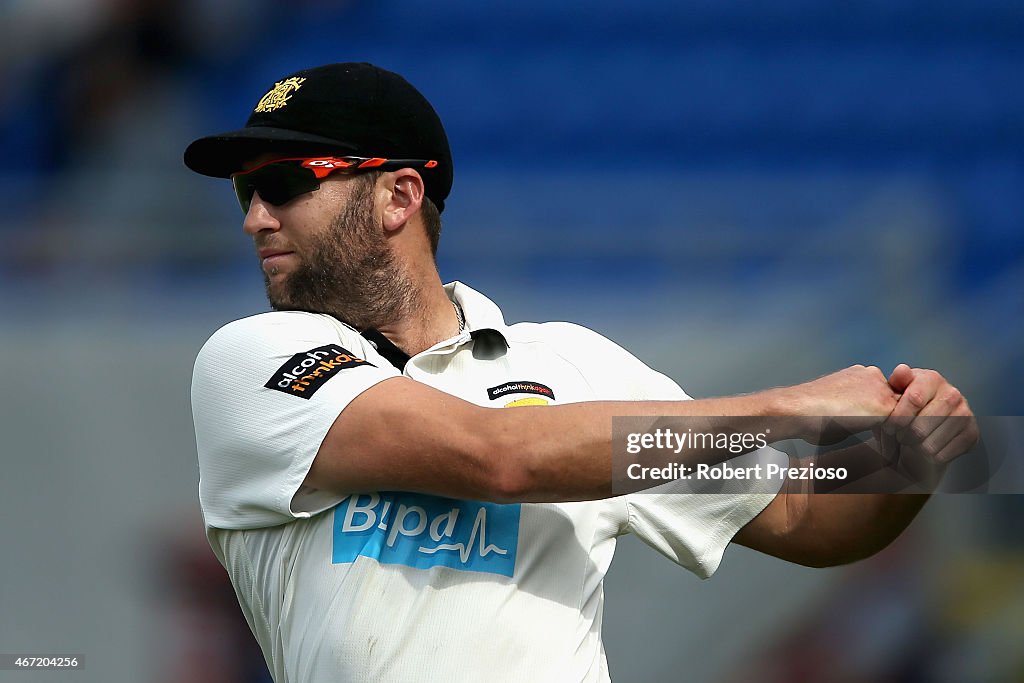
(483, 317)
(484, 324)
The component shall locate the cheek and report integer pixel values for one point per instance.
(302, 232)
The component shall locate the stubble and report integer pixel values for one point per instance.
(348, 271)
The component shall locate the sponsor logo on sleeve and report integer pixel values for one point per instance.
(523, 387)
(422, 531)
(306, 372)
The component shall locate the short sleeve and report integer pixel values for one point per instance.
(691, 529)
(694, 529)
(265, 391)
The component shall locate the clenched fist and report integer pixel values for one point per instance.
(931, 418)
(852, 400)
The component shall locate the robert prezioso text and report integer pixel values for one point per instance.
(720, 472)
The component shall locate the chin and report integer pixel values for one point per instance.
(278, 301)
(276, 286)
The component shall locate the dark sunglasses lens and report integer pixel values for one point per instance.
(277, 184)
(243, 191)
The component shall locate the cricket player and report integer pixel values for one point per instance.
(404, 487)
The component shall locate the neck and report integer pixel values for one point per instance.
(431, 319)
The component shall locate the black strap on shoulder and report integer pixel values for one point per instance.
(391, 353)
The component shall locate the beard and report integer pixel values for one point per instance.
(348, 271)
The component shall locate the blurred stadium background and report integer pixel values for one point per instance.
(744, 194)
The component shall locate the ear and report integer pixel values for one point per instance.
(404, 198)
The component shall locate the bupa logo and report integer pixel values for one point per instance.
(424, 531)
(305, 373)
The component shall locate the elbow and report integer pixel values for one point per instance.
(510, 485)
(841, 551)
(512, 480)
(502, 466)
(833, 559)
(867, 548)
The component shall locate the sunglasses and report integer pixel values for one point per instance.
(282, 180)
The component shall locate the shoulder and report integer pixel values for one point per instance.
(607, 365)
(260, 345)
(276, 333)
(559, 334)
(570, 340)
(276, 325)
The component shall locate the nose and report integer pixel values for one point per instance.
(259, 217)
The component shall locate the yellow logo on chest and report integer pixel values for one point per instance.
(527, 402)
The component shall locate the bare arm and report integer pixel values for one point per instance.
(403, 435)
(826, 529)
(823, 529)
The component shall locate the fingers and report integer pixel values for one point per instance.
(964, 437)
(930, 435)
(931, 417)
(917, 394)
(964, 441)
(930, 420)
(901, 378)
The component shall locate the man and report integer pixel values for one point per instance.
(379, 522)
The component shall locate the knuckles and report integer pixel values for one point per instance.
(952, 396)
(915, 398)
(918, 432)
(926, 386)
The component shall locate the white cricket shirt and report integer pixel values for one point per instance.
(393, 586)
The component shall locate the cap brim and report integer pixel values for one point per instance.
(222, 154)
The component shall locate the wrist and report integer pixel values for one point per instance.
(791, 404)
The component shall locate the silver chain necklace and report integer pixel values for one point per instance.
(461, 318)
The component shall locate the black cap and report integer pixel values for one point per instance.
(352, 109)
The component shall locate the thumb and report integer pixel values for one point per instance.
(901, 378)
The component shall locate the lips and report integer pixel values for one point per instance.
(272, 258)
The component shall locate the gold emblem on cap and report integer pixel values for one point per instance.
(279, 95)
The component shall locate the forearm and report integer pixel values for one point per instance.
(405, 436)
(852, 527)
(402, 435)
(839, 527)
(566, 452)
